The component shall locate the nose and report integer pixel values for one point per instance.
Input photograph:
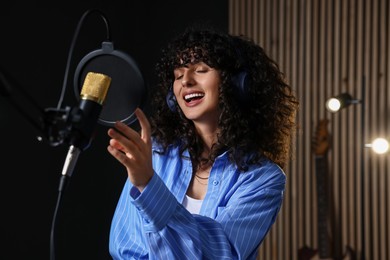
(187, 79)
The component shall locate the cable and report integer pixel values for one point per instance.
(75, 36)
(53, 225)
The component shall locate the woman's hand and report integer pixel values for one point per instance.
(133, 150)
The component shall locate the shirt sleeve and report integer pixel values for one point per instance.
(174, 233)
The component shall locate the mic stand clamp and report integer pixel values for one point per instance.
(56, 124)
(65, 126)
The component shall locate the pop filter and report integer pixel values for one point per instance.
(127, 90)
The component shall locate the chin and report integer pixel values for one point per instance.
(192, 115)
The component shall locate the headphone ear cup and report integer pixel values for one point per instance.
(171, 101)
(241, 81)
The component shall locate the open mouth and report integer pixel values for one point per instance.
(193, 96)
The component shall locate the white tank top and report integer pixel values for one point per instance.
(192, 205)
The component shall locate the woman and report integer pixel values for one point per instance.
(205, 176)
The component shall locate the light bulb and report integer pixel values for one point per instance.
(380, 145)
(333, 104)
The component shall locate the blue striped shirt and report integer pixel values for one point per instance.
(237, 212)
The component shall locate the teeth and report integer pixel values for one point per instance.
(193, 95)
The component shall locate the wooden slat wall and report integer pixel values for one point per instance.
(326, 48)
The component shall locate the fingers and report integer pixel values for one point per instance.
(130, 134)
(127, 140)
(145, 126)
(121, 141)
(121, 157)
(133, 149)
(124, 134)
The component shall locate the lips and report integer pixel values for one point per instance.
(193, 98)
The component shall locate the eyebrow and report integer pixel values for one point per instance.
(188, 64)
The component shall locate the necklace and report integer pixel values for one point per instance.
(202, 181)
(202, 178)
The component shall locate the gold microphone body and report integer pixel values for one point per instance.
(85, 117)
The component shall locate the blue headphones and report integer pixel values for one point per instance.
(171, 100)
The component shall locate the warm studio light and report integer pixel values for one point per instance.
(343, 100)
(379, 145)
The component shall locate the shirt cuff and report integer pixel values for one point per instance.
(155, 203)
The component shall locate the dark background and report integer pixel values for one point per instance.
(34, 46)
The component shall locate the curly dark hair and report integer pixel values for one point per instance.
(256, 120)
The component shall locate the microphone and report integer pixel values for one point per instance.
(127, 92)
(84, 118)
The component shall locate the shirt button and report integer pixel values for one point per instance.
(215, 183)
